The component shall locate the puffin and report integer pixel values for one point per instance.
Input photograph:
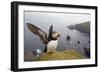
(50, 41)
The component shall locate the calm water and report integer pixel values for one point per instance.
(60, 21)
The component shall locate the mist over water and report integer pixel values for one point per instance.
(60, 21)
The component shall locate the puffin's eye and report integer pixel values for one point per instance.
(54, 33)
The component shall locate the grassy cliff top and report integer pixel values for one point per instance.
(65, 55)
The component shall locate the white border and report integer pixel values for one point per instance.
(22, 64)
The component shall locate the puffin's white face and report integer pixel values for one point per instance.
(55, 35)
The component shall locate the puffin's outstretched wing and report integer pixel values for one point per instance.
(50, 33)
(42, 35)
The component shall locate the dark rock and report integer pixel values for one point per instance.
(68, 38)
(78, 42)
(71, 27)
(87, 52)
(37, 52)
(89, 41)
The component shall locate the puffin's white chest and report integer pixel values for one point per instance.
(52, 45)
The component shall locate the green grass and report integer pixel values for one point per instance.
(84, 26)
(65, 55)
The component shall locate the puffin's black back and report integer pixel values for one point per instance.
(49, 36)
